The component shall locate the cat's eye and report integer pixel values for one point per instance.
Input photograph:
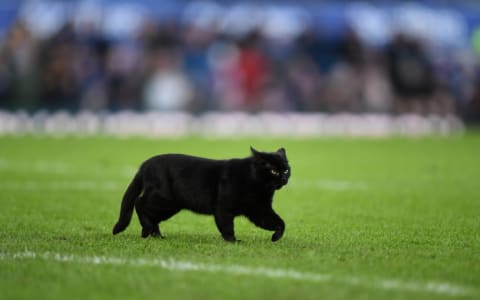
(275, 172)
(285, 172)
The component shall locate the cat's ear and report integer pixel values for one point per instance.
(282, 152)
(254, 152)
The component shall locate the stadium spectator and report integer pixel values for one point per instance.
(471, 112)
(58, 85)
(411, 74)
(19, 61)
(199, 63)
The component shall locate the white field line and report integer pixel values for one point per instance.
(60, 186)
(328, 184)
(38, 166)
(171, 264)
(82, 185)
(59, 167)
(62, 168)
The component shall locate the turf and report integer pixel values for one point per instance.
(360, 211)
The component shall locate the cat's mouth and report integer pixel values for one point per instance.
(279, 185)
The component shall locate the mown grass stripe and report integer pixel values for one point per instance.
(171, 264)
(329, 185)
(59, 185)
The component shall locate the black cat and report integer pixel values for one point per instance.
(167, 183)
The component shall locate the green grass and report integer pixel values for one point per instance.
(356, 209)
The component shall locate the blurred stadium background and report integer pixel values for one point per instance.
(186, 58)
(368, 218)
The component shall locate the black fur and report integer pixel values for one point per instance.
(166, 184)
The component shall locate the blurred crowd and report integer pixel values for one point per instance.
(171, 65)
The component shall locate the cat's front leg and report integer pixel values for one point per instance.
(280, 229)
(269, 220)
(224, 221)
(156, 231)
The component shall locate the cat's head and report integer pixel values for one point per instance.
(271, 167)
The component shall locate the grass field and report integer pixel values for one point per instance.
(385, 218)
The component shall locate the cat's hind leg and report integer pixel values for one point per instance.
(162, 216)
(148, 227)
(152, 208)
(156, 231)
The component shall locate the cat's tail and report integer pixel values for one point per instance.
(128, 202)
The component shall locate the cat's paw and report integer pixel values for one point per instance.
(156, 234)
(230, 238)
(277, 235)
(145, 233)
